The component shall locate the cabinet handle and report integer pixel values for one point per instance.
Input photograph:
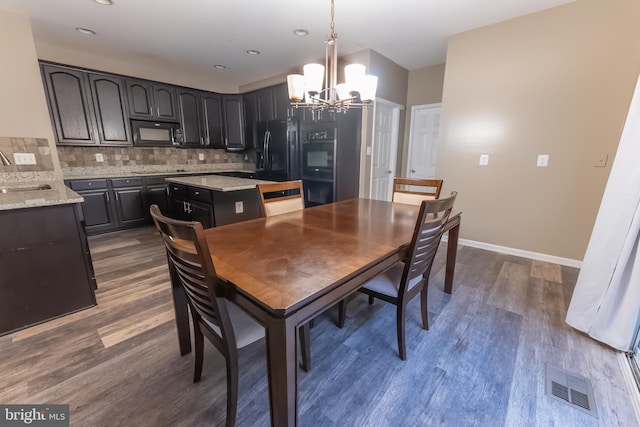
(89, 184)
(201, 141)
(107, 194)
(116, 193)
(197, 193)
(166, 189)
(158, 111)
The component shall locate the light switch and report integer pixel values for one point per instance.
(484, 160)
(200, 156)
(24, 158)
(543, 160)
(239, 207)
(368, 151)
(99, 157)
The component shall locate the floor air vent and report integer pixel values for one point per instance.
(570, 388)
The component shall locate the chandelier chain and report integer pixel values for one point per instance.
(333, 33)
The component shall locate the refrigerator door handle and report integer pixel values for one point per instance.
(267, 139)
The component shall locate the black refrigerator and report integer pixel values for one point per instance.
(278, 150)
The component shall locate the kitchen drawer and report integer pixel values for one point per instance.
(88, 184)
(200, 194)
(156, 180)
(178, 190)
(126, 182)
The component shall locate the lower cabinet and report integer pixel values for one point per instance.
(119, 203)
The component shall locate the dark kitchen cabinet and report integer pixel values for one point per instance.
(264, 105)
(129, 201)
(156, 193)
(190, 114)
(234, 122)
(69, 101)
(213, 120)
(282, 109)
(45, 264)
(250, 119)
(272, 103)
(97, 209)
(191, 204)
(109, 104)
(148, 100)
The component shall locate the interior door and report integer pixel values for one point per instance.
(385, 144)
(423, 141)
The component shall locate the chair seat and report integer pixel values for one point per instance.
(388, 282)
(246, 329)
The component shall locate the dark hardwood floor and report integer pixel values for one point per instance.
(481, 364)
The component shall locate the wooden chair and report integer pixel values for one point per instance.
(431, 190)
(226, 325)
(404, 280)
(281, 197)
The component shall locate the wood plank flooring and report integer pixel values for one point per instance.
(481, 363)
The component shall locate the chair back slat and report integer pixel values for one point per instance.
(424, 244)
(189, 257)
(281, 197)
(430, 189)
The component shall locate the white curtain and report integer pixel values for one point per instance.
(606, 299)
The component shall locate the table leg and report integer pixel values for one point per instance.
(181, 309)
(282, 372)
(452, 250)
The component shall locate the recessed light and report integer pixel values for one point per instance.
(253, 52)
(104, 2)
(301, 32)
(85, 31)
(220, 66)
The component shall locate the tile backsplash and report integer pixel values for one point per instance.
(82, 157)
(43, 170)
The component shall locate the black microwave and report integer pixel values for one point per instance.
(148, 133)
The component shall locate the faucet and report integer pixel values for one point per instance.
(4, 159)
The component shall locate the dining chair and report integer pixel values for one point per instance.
(404, 280)
(281, 197)
(226, 326)
(430, 190)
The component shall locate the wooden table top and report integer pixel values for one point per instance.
(282, 261)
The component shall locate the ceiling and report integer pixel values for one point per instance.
(201, 33)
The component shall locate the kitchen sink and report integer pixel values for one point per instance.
(20, 189)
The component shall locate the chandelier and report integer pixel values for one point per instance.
(307, 90)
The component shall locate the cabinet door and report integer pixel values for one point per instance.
(282, 109)
(212, 106)
(110, 108)
(250, 119)
(69, 104)
(234, 122)
(190, 116)
(97, 210)
(178, 208)
(130, 205)
(164, 97)
(157, 195)
(140, 100)
(203, 213)
(264, 104)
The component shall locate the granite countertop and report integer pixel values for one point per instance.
(130, 171)
(58, 194)
(218, 183)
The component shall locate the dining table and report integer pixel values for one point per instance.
(284, 270)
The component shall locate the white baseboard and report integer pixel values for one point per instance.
(519, 252)
(634, 394)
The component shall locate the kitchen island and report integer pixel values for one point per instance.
(214, 200)
(45, 265)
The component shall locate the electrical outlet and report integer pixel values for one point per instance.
(239, 207)
(99, 157)
(543, 160)
(200, 156)
(24, 158)
(484, 160)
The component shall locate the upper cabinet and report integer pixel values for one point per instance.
(109, 104)
(234, 122)
(190, 113)
(213, 120)
(272, 103)
(68, 96)
(282, 109)
(148, 100)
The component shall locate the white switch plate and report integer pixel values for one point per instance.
(368, 151)
(484, 160)
(200, 156)
(239, 207)
(543, 160)
(99, 157)
(24, 158)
